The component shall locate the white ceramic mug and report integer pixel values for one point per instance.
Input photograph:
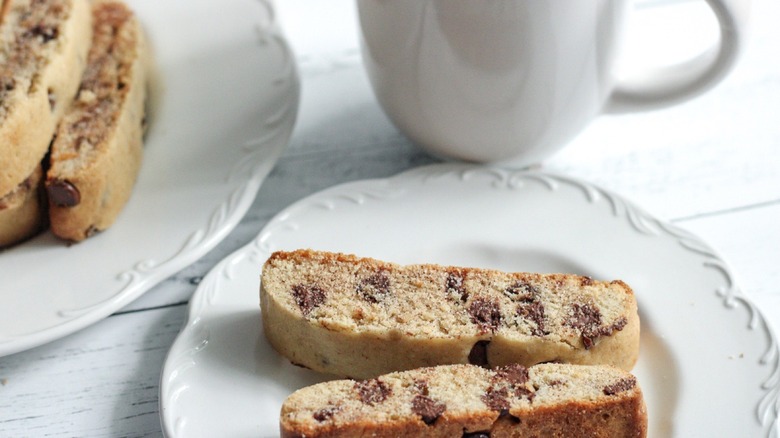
(512, 81)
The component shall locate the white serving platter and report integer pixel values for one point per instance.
(225, 96)
(708, 361)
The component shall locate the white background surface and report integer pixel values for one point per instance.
(711, 166)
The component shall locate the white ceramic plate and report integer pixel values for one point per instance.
(708, 364)
(225, 100)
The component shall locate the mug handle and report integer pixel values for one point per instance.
(676, 83)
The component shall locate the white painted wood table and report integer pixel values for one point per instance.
(711, 166)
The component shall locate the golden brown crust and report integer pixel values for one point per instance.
(359, 317)
(549, 400)
(4, 7)
(97, 152)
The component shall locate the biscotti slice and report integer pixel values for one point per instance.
(360, 317)
(547, 400)
(22, 211)
(43, 50)
(96, 155)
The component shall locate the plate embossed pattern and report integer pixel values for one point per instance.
(526, 220)
(224, 104)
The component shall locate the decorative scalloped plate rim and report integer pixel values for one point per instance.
(216, 131)
(221, 376)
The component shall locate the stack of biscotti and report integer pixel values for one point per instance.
(43, 52)
(546, 400)
(363, 318)
(86, 61)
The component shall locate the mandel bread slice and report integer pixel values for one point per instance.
(43, 51)
(98, 148)
(360, 317)
(546, 400)
(43, 46)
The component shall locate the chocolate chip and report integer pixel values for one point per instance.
(46, 33)
(7, 83)
(587, 319)
(522, 291)
(523, 392)
(515, 374)
(476, 434)
(478, 354)
(586, 281)
(424, 406)
(584, 317)
(616, 326)
(486, 314)
(533, 312)
(372, 391)
(587, 341)
(62, 193)
(428, 409)
(325, 413)
(603, 331)
(375, 288)
(308, 297)
(620, 386)
(454, 285)
(496, 399)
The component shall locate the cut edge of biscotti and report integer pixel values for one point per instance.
(43, 51)
(469, 401)
(22, 212)
(360, 317)
(97, 152)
